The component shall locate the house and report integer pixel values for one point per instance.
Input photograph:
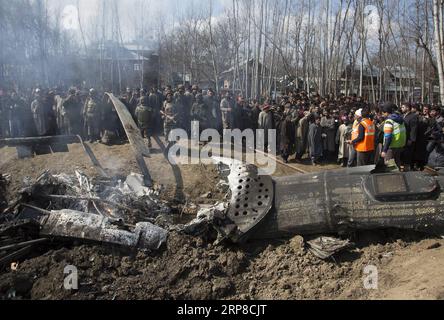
(115, 66)
(151, 75)
(400, 83)
(351, 77)
(245, 78)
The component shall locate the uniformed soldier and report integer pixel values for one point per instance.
(189, 95)
(180, 91)
(134, 101)
(145, 119)
(170, 115)
(126, 97)
(237, 114)
(112, 128)
(226, 107)
(167, 90)
(213, 106)
(59, 113)
(183, 107)
(71, 113)
(246, 115)
(255, 111)
(39, 115)
(50, 110)
(200, 112)
(194, 91)
(92, 116)
(18, 114)
(155, 102)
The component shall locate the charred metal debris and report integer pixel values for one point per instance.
(65, 207)
(334, 203)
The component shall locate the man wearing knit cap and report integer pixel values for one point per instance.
(395, 136)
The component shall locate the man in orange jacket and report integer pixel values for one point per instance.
(363, 138)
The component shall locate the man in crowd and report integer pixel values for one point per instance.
(435, 147)
(213, 106)
(287, 133)
(395, 136)
(329, 134)
(71, 113)
(420, 152)
(171, 117)
(92, 116)
(254, 113)
(18, 115)
(194, 91)
(315, 139)
(126, 97)
(39, 114)
(435, 115)
(145, 116)
(411, 125)
(155, 103)
(201, 113)
(226, 107)
(266, 123)
(363, 137)
(237, 114)
(184, 108)
(342, 137)
(302, 127)
(134, 101)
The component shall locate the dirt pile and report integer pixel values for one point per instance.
(189, 268)
(288, 271)
(186, 269)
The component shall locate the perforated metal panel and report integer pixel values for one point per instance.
(251, 195)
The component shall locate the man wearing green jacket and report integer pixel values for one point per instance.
(395, 135)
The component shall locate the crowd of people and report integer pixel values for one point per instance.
(343, 129)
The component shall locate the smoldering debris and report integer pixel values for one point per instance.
(114, 211)
(80, 225)
(17, 238)
(125, 199)
(211, 221)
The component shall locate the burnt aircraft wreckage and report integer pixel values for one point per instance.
(260, 206)
(337, 201)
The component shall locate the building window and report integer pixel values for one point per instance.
(137, 67)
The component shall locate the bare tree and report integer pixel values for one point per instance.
(438, 7)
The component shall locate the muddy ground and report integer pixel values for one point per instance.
(409, 264)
